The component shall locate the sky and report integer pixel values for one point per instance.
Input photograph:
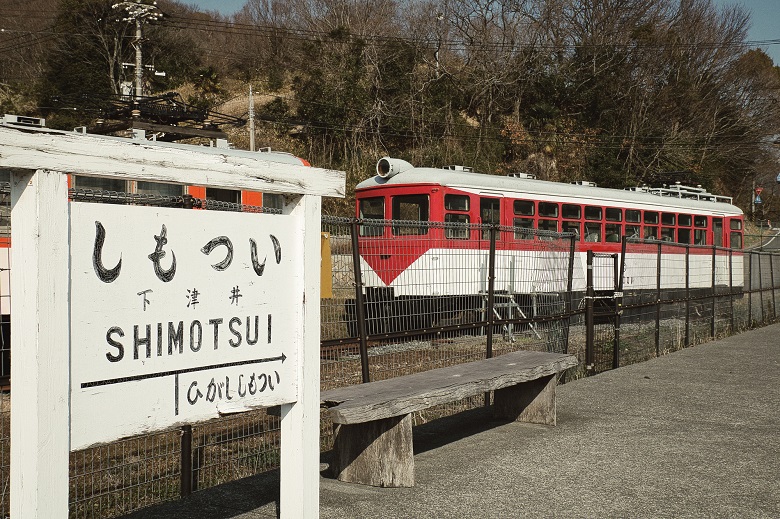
(765, 17)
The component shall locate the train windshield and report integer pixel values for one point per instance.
(413, 208)
(372, 209)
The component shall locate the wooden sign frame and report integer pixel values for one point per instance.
(40, 422)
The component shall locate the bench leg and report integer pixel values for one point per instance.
(378, 453)
(532, 401)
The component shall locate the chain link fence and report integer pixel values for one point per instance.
(401, 297)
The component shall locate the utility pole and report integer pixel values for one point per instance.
(251, 120)
(139, 13)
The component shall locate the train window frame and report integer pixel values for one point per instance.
(457, 232)
(518, 205)
(371, 229)
(699, 236)
(593, 213)
(403, 203)
(572, 226)
(700, 221)
(633, 231)
(524, 228)
(633, 216)
(543, 212)
(683, 218)
(667, 233)
(613, 214)
(592, 232)
(613, 233)
(451, 197)
(735, 224)
(571, 211)
(682, 232)
(544, 223)
(735, 240)
(668, 219)
(650, 232)
(101, 184)
(650, 218)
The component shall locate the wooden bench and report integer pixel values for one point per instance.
(373, 421)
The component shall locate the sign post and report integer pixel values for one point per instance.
(133, 319)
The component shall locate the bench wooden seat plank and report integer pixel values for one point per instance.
(373, 437)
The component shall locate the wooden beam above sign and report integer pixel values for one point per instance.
(117, 157)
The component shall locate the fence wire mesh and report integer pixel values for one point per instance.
(401, 297)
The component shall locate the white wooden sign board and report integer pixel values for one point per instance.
(179, 316)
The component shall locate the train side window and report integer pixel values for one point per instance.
(612, 233)
(372, 209)
(524, 207)
(633, 231)
(100, 184)
(456, 202)
(273, 200)
(229, 196)
(614, 214)
(456, 233)
(633, 216)
(651, 232)
(736, 225)
(736, 240)
(410, 208)
(699, 237)
(684, 220)
(667, 233)
(592, 213)
(700, 221)
(667, 218)
(548, 210)
(548, 225)
(572, 227)
(592, 230)
(683, 235)
(524, 228)
(572, 212)
(651, 217)
(159, 188)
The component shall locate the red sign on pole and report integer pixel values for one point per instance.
(759, 190)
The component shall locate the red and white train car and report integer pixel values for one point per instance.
(427, 261)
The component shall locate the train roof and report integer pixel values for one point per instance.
(542, 189)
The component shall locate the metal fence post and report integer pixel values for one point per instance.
(491, 291)
(570, 287)
(491, 299)
(772, 281)
(617, 296)
(590, 353)
(750, 289)
(731, 290)
(687, 296)
(714, 292)
(360, 306)
(761, 288)
(658, 302)
(186, 460)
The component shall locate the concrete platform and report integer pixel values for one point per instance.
(692, 434)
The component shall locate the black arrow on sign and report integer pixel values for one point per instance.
(84, 385)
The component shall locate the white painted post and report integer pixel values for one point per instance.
(40, 343)
(300, 477)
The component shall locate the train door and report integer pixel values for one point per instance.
(489, 213)
(717, 232)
